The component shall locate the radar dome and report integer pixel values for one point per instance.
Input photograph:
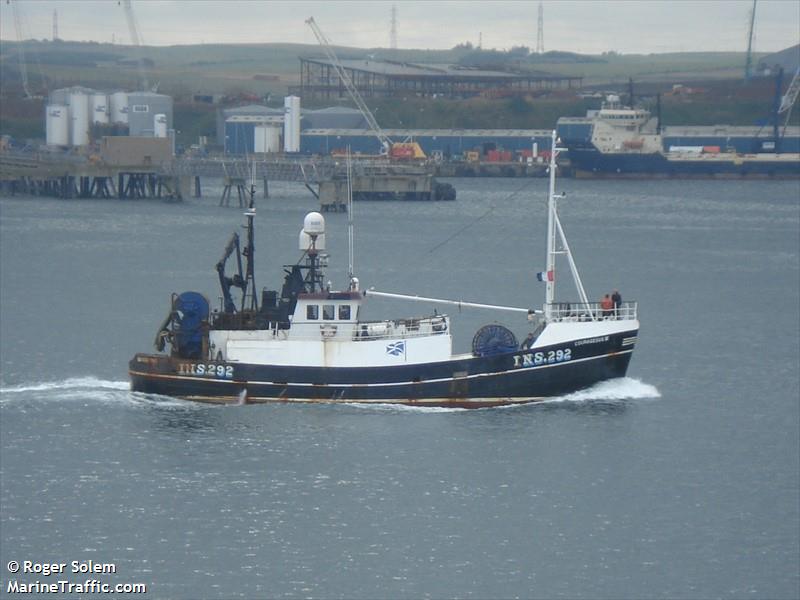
(314, 224)
(305, 241)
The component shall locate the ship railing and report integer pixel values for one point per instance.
(359, 331)
(591, 311)
(401, 328)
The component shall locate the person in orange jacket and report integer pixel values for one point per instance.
(607, 305)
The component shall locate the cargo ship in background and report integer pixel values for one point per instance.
(620, 141)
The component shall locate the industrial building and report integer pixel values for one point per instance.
(446, 142)
(72, 113)
(142, 110)
(381, 78)
(256, 128)
(237, 128)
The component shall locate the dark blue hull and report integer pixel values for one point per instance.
(590, 163)
(518, 377)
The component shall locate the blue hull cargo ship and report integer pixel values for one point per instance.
(624, 142)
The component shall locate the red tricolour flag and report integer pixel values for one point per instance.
(545, 276)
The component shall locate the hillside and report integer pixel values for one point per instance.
(264, 72)
(226, 69)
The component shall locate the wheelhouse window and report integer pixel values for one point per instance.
(344, 312)
(312, 312)
(328, 312)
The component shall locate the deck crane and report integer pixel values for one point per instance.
(393, 149)
(133, 28)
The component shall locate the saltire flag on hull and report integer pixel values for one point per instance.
(396, 348)
(546, 276)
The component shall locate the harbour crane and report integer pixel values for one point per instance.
(133, 28)
(393, 149)
(749, 59)
(790, 97)
(386, 143)
(23, 66)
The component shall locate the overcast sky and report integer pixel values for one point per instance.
(593, 26)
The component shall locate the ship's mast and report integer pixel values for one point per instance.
(350, 240)
(250, 248)
(550, 290)
(554, 233)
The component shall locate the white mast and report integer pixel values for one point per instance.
(554, 229)
(550, 290)
(350, 253)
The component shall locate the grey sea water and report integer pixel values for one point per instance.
(679, 481)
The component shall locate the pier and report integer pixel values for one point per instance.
(147, 172)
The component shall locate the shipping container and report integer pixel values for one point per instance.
(686, 149)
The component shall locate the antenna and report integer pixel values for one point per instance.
(631, 98)
(350, 253)
(393, 33)
(540, 32)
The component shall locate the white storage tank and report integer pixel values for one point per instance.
(57, 125)
(100, 109)
(267, 138)
(160, 126)
(291, 124)
(59, 97)
(119, 107)
(79, 118)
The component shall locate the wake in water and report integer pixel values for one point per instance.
(81, 383)
(624, 388)
(613, 390)
(80, 388)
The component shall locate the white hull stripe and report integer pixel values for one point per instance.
(381, 384)
(629, 341)
(436, 402)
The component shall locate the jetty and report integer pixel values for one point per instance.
(146, 168)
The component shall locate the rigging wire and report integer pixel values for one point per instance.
(484, 215)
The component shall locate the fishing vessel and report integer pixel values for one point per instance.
(306, 342)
